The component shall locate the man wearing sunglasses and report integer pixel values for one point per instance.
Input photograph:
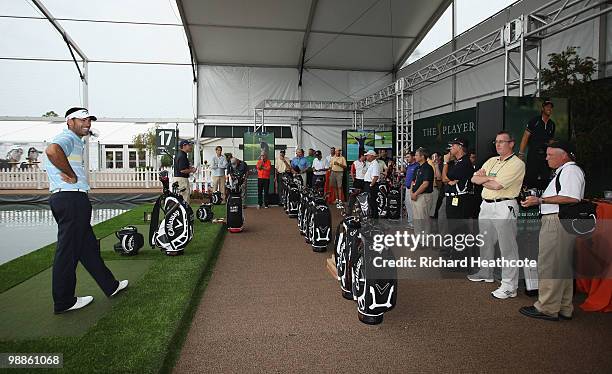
(501, 178)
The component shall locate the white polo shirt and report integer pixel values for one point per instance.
(372, 171)
(318, 165)
(572, 185)
(360, 169)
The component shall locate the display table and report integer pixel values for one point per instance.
(594, 262)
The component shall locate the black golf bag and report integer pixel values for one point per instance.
(304, 211)
(364, 205)
(347, 236)
(394, 202)
(374, 289)
(216, 198)
(235, 215)
(130, 241)
(319, 226)
(205, 212)
(175, 230)
(381, 199)
(293, 198)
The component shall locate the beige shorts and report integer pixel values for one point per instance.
(335, 179)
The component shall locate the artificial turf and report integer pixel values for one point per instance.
(144, 329)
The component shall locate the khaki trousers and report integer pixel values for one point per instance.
(218, 184)
(185, 185)
(555, 273)
(420, 213)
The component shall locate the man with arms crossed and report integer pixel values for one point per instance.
(501, 178)
(71, 209)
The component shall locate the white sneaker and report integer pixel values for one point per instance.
(81, 302)
(478, 277)
(503, 294)
(122, 285)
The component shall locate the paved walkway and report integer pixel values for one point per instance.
(271, 306)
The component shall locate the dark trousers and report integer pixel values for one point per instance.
(75, 242)
(460, 222)
(262, 191)
(372, 192)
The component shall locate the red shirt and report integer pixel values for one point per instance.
(263, 169)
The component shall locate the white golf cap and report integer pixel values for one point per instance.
(370, 153)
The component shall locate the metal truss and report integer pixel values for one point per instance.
(546, 21)
(404, 119)
(305, 105)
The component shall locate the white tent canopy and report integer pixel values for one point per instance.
(363, 35)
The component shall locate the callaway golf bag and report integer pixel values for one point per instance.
(394, 202)
(293, 196)
(381, 199)
(130, 241)
(175, 230)
(235, 215)
(303, 211)
(320, 225)
(205, 212)
(374, 289)
(347, 235)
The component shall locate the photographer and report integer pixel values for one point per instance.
(556, 245)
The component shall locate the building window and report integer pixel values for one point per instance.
(114, 159)
(137, 159)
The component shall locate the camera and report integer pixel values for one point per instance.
(526, 192)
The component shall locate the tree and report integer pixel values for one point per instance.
(146, 142)
(50, 114)
(570, 76)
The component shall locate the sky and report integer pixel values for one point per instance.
(32, 88)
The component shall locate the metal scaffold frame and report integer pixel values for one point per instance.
(301, 106)
(513, 41)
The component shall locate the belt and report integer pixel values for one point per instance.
(550, 214)
(457, 193)
(501, 199)
(67, 190)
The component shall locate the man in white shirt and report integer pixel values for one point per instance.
(358, 170)
(319, 167)
(556, 246)
(370, 179)
(219, 164)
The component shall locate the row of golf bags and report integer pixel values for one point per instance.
(374, 290)
(308, 205)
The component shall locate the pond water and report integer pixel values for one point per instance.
(26, 227)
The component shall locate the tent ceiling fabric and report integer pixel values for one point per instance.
(369, 35)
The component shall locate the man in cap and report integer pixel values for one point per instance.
(182, 169)
(539, 133)
(71, 209)
(459, 190)
(370, 179)
(556, 246)
(501, 178)
(237, 168)
(282, 166)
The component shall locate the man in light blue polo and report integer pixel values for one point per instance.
(71, 209)
(299, 164)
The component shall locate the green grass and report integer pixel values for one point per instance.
(144, 331)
